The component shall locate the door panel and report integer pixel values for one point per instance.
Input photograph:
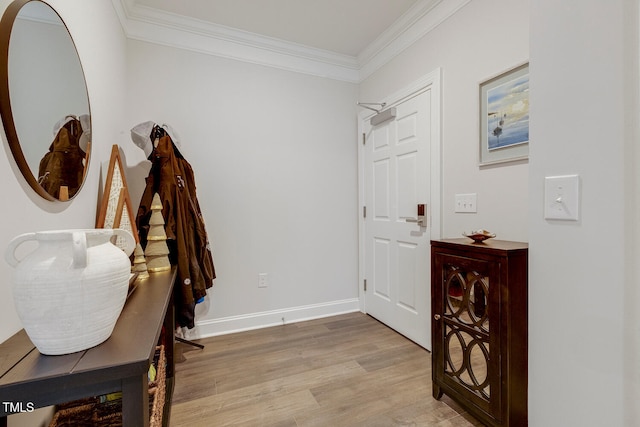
(407, 281)
(407, 172)
(381, 268)
(397, 179)
(381, 190)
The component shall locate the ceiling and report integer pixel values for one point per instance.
(346, 40)
(342, 26)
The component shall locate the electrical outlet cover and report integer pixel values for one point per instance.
(562, 197)
(263, 280)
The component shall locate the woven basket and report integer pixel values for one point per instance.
(93, 412)
(159, 387)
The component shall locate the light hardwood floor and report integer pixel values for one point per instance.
(347, 370)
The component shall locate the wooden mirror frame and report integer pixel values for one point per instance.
(6, 112)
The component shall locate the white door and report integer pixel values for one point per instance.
(397, 178)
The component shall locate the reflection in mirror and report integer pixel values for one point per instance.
(466, 346)
(478, 299)
(44, 102)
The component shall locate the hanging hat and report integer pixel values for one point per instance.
(141, 136)
(173, 134)
(85, 138)
(85, 123)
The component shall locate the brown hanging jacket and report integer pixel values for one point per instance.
(63, 164)
(172, 177)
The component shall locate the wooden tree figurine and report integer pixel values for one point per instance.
(139, 263)
(157, 251)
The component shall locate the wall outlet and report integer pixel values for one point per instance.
(466, 202)
(263, 280)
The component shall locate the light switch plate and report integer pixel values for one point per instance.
(466, 202)
(562, 197)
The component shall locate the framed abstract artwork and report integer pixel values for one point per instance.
(116, 210)
(504, 117)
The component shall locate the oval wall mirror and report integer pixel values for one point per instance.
(44, 102)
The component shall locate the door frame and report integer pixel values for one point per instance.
(432, 82)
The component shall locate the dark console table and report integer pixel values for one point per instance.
(30, 380)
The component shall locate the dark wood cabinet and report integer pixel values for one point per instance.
(479, 327)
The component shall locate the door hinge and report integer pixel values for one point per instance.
(364, 138)
(364, 212)
(365, 285)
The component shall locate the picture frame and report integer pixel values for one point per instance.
(116, 210)
(504, 117)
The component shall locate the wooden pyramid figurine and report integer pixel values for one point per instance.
(157, 251)
(139, 263)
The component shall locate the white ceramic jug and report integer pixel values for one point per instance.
(69, 291)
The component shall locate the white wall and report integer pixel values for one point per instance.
(274, 154)
(278, 188)
(277, 185)
(583, 331)
(482, 39)
(583, 336)
(101, 46)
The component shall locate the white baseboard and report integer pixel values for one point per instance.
(228, 325)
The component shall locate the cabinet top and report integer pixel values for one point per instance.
(488, 245)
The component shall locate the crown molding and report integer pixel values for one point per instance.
(160, 27)
(418, 21)
(156, 26)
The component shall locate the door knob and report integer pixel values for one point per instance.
(436, 317)
(421, 220)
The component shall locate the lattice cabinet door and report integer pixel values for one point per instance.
(466, 315)
(470, 325)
